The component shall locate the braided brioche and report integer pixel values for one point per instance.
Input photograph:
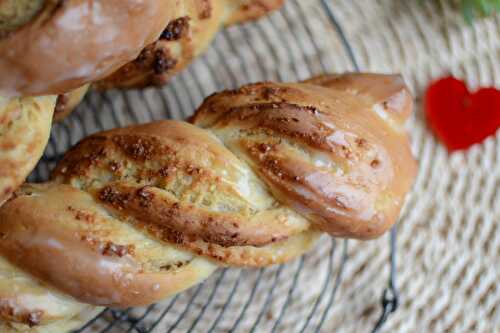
(54, 46)
(57, 46)
(184, 39)
(137, 214)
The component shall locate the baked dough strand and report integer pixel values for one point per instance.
(137, 214)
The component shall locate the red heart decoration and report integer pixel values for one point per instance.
(460, 118)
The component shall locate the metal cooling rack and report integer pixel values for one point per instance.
(281, 48)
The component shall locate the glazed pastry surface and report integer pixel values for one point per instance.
(184, 39)
(50, 47)
(137, 214)
(69, 43)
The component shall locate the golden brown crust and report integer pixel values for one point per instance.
(184, 39)
(24, 132)
(177, 222)
(165, 159)
(300, 138)
(388, 93)
(181, 185)
(70, 43)
(59, 235)
(149, 210)
(273, 253)
(53, 46)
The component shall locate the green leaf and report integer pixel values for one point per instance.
(468, 10)
(472, 9)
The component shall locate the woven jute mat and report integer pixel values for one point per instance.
(449, 236)
(448, 247)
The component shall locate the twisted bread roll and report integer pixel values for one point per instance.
(184, 39)
(24, 132)
(134, 215)
(49, 46)
(54, 46)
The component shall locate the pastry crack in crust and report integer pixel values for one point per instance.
(137, 214)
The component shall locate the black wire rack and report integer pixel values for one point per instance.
(286, 47)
